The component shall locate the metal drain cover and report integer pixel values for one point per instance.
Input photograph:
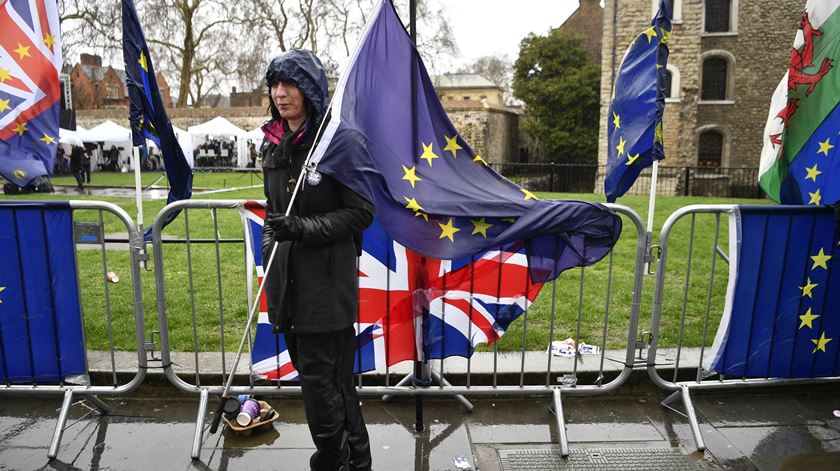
(597, 459)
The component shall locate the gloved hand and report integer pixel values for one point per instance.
(285, 227)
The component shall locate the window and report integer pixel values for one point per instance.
(718, 16)
(672, 83)
(113, 92)
(668, 84)
(715, 75)
(466, 98)
(710, 149)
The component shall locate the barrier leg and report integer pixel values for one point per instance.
(403, 382)
(59, 427)
(104, 409)
(467, 405)
(684, 393)
(199, 424)
(561, 424)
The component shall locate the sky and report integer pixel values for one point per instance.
(491, 27)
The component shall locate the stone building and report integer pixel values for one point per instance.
(464, 88)
(94, 86)
(726, 59)
(587, 22)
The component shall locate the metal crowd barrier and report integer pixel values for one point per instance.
(596, 313)
(91, 241)
(678, 297)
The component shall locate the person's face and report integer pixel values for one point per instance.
(289, 101)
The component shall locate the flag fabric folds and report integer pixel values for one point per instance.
(41, 333)
(634, 119)
(782, 312)
(390, 140)
(30, 95)
(146, 113)
(800, 162)
(411, 307)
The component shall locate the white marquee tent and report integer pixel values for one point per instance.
(110, 134)
(220, 127)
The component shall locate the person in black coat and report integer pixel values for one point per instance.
(76, 157)
(312, 286)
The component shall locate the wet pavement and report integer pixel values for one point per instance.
(153, 429)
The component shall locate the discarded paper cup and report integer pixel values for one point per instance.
(249, 410)
(112, 277)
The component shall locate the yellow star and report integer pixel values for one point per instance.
(412, 204)
(806, 290)
(616, 120)
(510, 220)
(650, 33)
(49, 40)
(1, 290)
(452, 145)
(657, 135)
(480, 227)
(825, 147)
(428, 153)
(47, 139)
(528, 194)
(631, 158)
(19, 174)
(815, 197)
(820, 343)
(820, 260)
(448, 230)
(620, 146)
(4, 74)
(478, 159)
(410, 176)
(666, 36)
(23, 51)
(20, 129)
(812, 173)
(4, 105)
(807, 318)
(142, 61)
(421, 214)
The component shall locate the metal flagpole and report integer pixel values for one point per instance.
(651, 207)
(138, 187)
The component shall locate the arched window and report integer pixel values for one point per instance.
(718, 17)
(710, 149)
(672, 83)
(715, 78)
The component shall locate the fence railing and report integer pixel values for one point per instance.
(104, 302)
(694, 283)
(591, 306)
(728, 182)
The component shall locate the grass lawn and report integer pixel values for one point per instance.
(204, 262)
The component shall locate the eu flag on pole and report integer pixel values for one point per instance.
(147, 115)
(390, 140)
(634, 128)
(782, 312)
(30, 59)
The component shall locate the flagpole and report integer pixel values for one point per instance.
(138, 187)
(651, 207)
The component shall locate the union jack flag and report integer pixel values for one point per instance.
(30, 60)
(411, 307)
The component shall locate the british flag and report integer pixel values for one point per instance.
(30, 60)
(411, 307)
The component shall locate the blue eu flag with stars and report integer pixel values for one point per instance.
(146, 113)
(390, 140)
(634, 120)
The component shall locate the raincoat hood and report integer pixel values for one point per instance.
(305, 70)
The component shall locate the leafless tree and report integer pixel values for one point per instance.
(497, 69)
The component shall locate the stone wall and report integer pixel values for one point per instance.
(246, 118)
(586, 22)
(760, 46)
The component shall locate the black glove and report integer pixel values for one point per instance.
(285, 227)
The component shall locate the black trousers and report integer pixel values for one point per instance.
(325, 365)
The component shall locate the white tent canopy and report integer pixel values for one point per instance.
(68, 138)
(109, 134)
(220, 127)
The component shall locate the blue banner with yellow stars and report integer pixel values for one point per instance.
(782, 314)
(146, 112)
(390, 140)
(634, 127)
(41, 336)
(814, 174)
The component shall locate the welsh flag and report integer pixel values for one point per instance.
(800, 163)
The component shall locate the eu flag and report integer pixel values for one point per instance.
(41, 332)
(390, 140)
(782, 313)
(147, 115)
(634, 128)
(30, 59)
